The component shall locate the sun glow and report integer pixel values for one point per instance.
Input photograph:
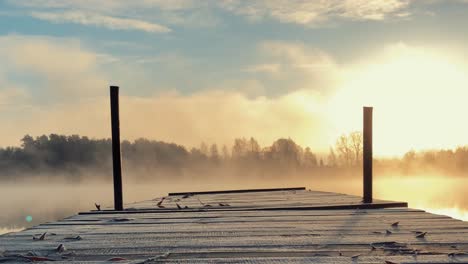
(418, 96)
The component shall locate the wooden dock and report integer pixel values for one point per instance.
(256, 226)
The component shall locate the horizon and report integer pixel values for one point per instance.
(262, 146)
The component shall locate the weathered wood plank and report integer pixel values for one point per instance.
(280, 226)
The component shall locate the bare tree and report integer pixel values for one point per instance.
(214, 153)
(254, 149)
(349, 148)
(310, 160)
(204, 149)
(240, 148)
(343, 148)
(225, 153)
(332, 160)
(356, 145)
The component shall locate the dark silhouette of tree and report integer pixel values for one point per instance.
(240, 148)
(225, 153)
(343, 148)
(78, 156)
(356, 143)
(204, 149)
(214, 153)
(332, 160)
(285, 152)
(310, 160)
(349, 149)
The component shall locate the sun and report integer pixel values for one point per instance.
(418, 95)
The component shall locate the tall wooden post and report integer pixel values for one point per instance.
(116, 157)
(367, 155)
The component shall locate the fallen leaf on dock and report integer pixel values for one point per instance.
(202, 203)
(395, 224)
(42, 237)
(61, 248)
(73, 238)
(117, 259)
(121, 219)
(421, 235)
(160, 202)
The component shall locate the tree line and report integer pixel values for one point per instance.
(55, 154)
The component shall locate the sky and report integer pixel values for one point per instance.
(213, 70)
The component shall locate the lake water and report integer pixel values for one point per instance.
(50, 200)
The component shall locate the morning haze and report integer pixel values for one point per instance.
(230, 94)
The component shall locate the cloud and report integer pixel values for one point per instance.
(122, 14)
(108, 6)
(297, 66)
(70, 78)
(114, 23)
(264, 68)
(315, 13)
(11, 95)
(298, 55)
(210, 116)
(414, 88)
(57, 67)
(216, 115)
(204, 13)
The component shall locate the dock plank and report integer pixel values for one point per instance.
(243, 232)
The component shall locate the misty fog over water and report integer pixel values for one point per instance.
(52, 199)
(55, 176)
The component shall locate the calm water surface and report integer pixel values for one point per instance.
(51, 200)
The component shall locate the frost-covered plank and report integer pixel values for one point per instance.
(240, 233)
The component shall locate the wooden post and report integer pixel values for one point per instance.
(116, 157)
(367, 155)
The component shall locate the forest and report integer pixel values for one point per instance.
(78, 157)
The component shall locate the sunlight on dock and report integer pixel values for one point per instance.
(246, 226)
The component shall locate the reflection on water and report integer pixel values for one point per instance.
(46, 201)
(453, 212)
(435, 194)
(8, 230)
